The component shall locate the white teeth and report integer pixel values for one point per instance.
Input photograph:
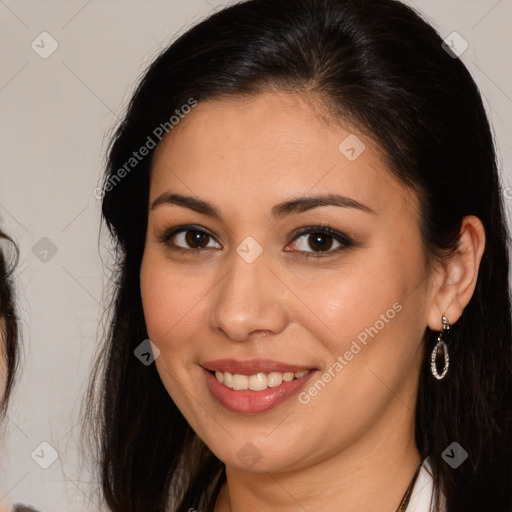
(274, 379)
(240, 381)
(288, 376)
(227, 379)
(258, 381)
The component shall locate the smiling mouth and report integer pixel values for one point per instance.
(254, 386)
(258, 381)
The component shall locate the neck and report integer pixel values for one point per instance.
(373, 473)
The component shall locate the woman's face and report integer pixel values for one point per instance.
(249, 292)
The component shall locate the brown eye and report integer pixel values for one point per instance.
(191, 239)
(321, 239)
(316, 242)
(196, 237)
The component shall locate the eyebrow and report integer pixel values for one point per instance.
(278, 211)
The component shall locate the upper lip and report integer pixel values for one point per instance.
(252, 366)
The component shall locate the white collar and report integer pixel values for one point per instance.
(422, 492)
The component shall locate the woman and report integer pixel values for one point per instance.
(306, 205)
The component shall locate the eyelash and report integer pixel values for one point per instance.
(343, 239)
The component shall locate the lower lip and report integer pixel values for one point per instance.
(254, 402)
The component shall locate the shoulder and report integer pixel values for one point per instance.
(422, 493)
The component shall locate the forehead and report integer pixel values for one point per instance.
(259, 150)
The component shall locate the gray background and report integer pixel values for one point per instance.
(56, 116)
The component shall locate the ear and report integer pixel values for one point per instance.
(456, 277)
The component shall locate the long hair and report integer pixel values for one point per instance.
(8, 322)
(378, 65)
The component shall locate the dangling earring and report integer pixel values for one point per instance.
(440, 348)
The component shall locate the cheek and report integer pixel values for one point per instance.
(170, 299)
(342, 303)
(165, 314)
(173, 310)
(371, 347)
(369, 314)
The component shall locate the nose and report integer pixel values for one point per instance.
(250, 301)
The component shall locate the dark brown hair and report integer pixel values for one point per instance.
(9, 322)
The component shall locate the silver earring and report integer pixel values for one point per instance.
(440, 348)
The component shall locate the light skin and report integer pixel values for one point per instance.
(351, 448)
